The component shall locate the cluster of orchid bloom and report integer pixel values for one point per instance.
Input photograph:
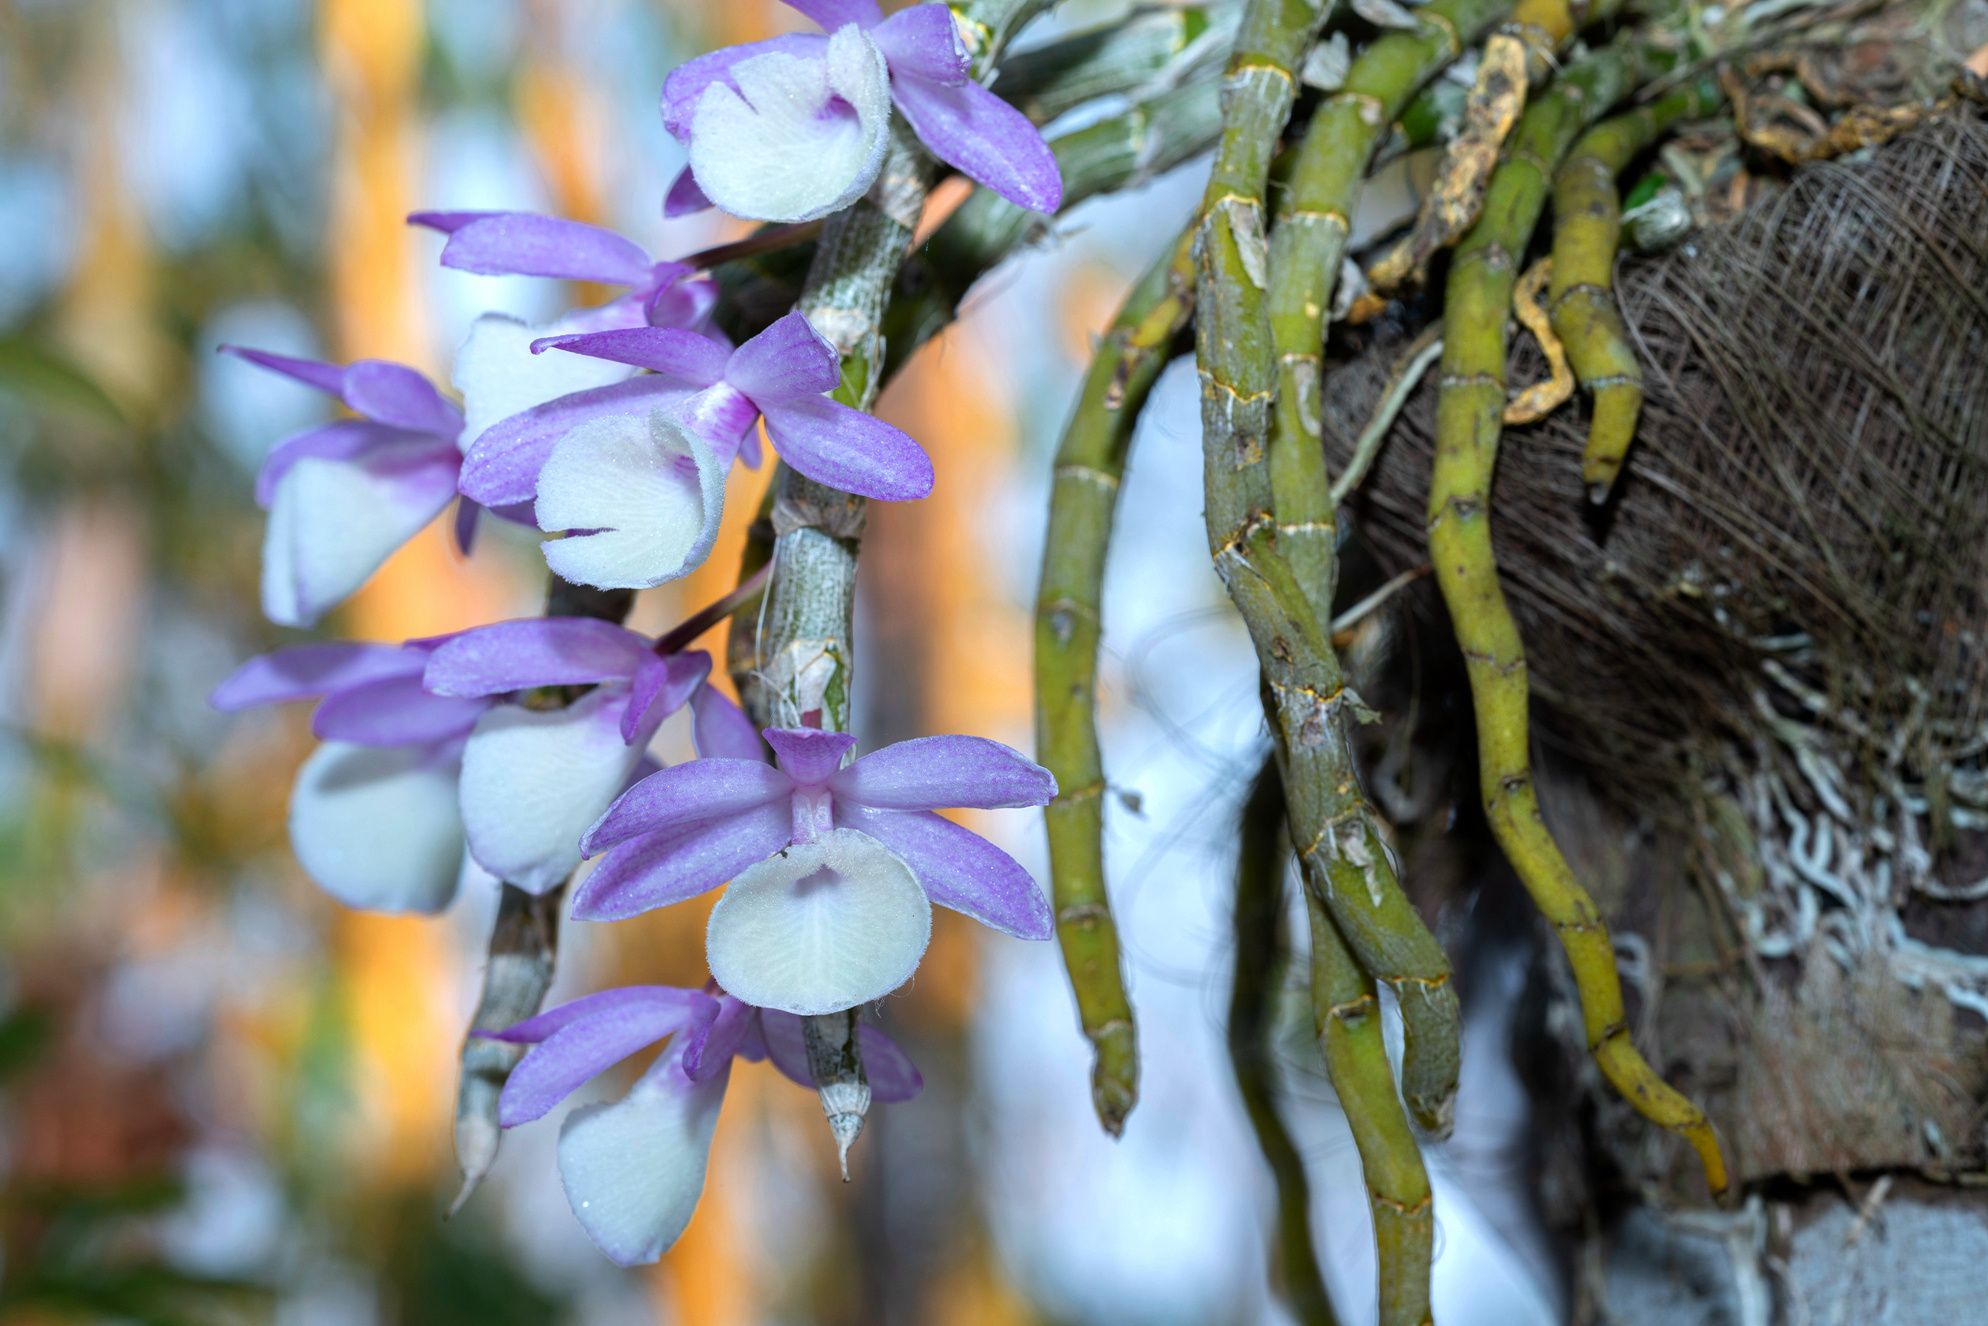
(613, 428)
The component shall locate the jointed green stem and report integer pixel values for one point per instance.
(1309, 241)
(1468, 422)
(1346, 1017)
(1083, 499)
(1259, 971)
(1587, 215)
(1308, 703)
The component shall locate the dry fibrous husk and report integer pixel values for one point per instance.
(1808, 492)
(1770, 644)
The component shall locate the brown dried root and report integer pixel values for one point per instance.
(1541, 398)
(1489, 114)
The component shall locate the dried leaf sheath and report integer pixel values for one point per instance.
(1083, 499)
(1309, 703)
(1587, 215)
(1260, 956)
(1469, 412)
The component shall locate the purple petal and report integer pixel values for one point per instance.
(832, 14)
(527, 244)
(985, 138)
(535, 651)
(933, 772)
(396, 395)
(788, 359)
(891, 1075)
(657, 871)
(467, 514)
(684, 357)
(395, 712)
(447, 223)
(602, 1003)
(847, 449)
(721, 730)
(672, 800)
(684, 197)
(708, 1050)
(661, 687)
(808, 755)
(923, 41)
(786, 1045)
(327, 378)
(347, 439)
(684, 300)
(958, 868)
(302, 672)
(687, 82)
(501, 467)
(616, 1024)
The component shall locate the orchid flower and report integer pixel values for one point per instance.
(833, 870)
(634, 1169)
(373, 816)
(534, 779)
(658, 294)
(646, 486)
(795, 127)
(516, 401)
(342, 497)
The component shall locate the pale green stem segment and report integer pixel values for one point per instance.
(1083, 498)
(1308, 702)
(1258, 977)
(1587, 229)
(1469, 416)
(803, 651)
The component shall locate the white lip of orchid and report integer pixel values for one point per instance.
(792, 138)
(643, 497)
(820, 926)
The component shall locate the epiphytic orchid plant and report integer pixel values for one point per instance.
(525, 746)
(513, 750)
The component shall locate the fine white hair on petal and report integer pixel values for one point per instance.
(332, 522)
(822, 926)
(647, 490)
(798, 137)
(499, 376)
(533, 781)
(634, 1169)
(377, 826)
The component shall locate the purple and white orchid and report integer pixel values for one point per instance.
(645, 487)
(633, 1169)
(796, 127)
(342, 497)
(833, 870)
(373, 815)
(534, 779)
